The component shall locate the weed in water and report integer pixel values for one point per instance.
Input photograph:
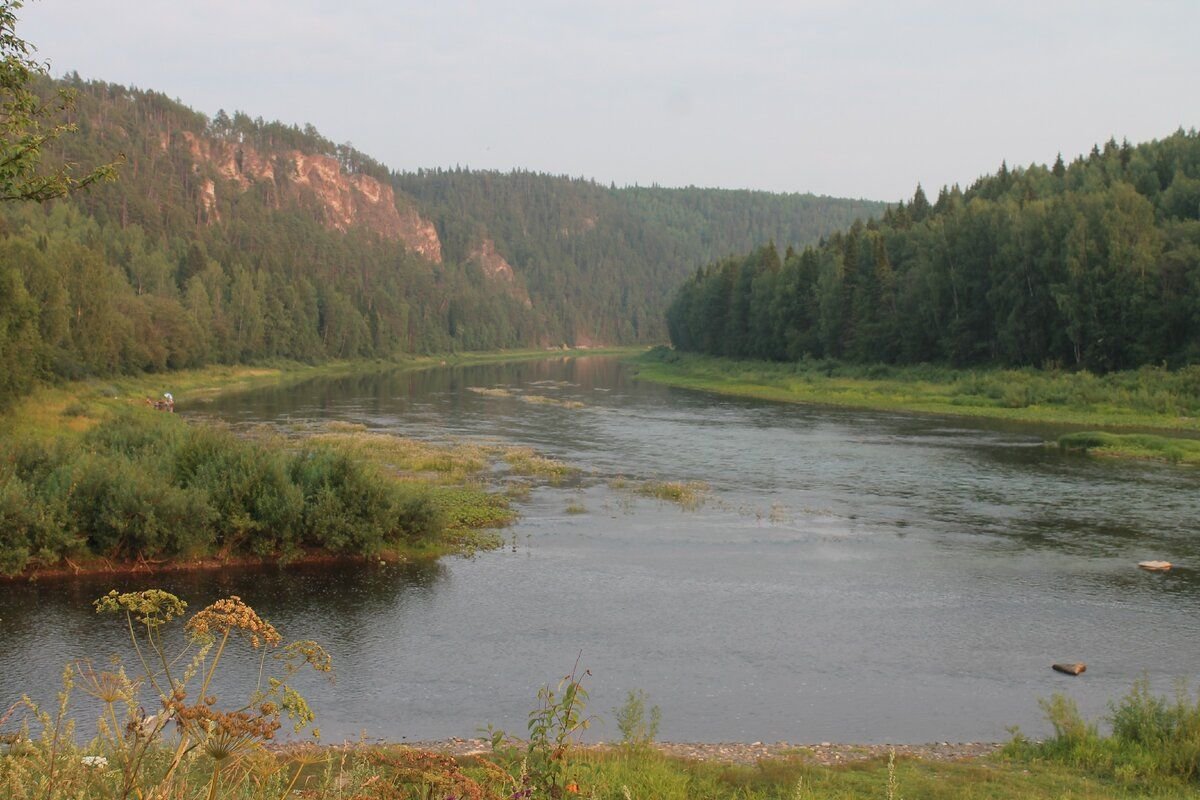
(689, 495)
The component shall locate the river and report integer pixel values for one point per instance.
(852, 576)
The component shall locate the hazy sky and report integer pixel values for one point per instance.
(857, 99)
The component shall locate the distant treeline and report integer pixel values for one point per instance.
(603, 261)
(1094, 265)
(175, 265)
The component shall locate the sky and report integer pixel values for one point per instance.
(854, 99)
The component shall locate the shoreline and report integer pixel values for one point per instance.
(1105, 427)
(106, 567)
(826, 754)
(69, 410)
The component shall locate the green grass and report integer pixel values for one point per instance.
(398, 773)
(1150, 397)
(1133, 445)
(686, 495)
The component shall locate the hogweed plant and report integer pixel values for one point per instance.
(191, 733)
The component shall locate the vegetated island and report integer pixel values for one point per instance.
(1066, 294)
(93, 479)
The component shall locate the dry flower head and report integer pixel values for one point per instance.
(151, 607)
(231, 614)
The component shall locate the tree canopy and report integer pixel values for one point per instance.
(1092, 265)
(29, 121)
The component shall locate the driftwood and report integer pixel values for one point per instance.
(1070, 669)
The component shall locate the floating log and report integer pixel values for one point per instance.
(1155, 566)
(1070, 669)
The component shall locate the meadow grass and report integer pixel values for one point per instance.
(1150, 397)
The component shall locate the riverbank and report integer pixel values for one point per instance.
(1147, 399)
(94, 480)
(76, 406)
(666, 771)
(826, 754)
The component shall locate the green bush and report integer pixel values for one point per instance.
(256, 506)
(126, 509)
(1152, 737)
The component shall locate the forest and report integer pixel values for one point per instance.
(233, 240)
(1089, 265)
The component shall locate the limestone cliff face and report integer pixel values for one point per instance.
(343, 200)
(496, 268)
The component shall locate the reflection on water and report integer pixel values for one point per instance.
(858, 576)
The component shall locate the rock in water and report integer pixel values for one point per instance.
(1070, 669)
(1155, 566)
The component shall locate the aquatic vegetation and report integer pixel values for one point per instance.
(450, 462)
(540, 399)
(490, 392)
(472, 507)
(689, 495)
(526, 461)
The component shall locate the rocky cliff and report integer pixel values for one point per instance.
(341, 199)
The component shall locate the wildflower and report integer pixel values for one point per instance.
(573, 787)
(297, 654)
(151, 607)
(230, 614)
(95, 762)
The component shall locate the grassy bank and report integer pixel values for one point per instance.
(93, 479)
(401, 773)
(1149, 398)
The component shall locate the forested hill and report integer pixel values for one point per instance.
(604, 260)
(232, 239)
(1093, 264)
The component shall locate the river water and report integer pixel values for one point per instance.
(852, 576)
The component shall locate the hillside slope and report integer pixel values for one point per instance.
(232, 239)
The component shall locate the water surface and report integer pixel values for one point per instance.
(854, 575)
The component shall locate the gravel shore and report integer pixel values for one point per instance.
(824, 753)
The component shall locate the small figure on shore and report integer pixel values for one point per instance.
(166, 404)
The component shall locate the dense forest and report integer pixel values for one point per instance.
(1093, 264)
(603, 261)
(232, 239)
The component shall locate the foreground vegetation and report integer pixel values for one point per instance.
(197, 744)
(1146, 398)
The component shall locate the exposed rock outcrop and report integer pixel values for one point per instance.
(343, 200)
(496, 268)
